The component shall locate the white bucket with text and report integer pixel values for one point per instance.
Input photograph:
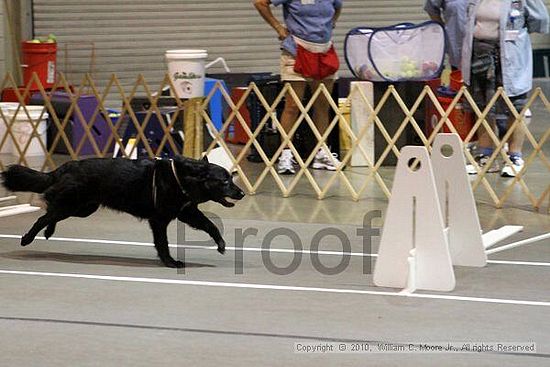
(23, 130)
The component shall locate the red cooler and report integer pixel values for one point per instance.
(235, 133)
(461, 119)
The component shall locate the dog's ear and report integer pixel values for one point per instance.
(192, 168)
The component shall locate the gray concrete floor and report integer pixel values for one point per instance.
(49, 317)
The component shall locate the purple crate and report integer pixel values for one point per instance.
(100, 130)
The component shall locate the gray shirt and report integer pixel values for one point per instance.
(310, 20)
(453, 13)
(515, 44)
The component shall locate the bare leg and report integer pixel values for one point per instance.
(291, 111)
(321, 105)
(484, 140)
(518, 136)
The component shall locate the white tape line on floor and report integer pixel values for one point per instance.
(276, 287)
(249, 249)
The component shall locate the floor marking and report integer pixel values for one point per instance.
(250, 249)
(195, 330)
(241, 333)
(276, 287)
(515, 262)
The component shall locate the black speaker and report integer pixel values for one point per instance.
(269, 138)
(391, 115)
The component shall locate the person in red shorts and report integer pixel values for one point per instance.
(308, 24)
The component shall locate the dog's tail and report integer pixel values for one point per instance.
(19, 178)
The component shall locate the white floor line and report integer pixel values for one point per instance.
(275, 287)
(8, 198)
(249, 249)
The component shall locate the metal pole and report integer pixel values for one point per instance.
(14, 40)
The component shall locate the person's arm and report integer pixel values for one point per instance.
(433, 8)
(263, 7)
(437, 18)
(537, 16)
(336, 16)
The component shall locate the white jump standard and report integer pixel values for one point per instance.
(432, 221)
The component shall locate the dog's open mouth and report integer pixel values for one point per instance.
(228, 202)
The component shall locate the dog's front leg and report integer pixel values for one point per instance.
(160, 238)
(196, 219)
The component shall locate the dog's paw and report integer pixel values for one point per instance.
(221, 247)
(171, 263)
(178, 264)
(49, 232)
(26, 240)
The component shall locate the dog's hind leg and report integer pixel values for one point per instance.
(48, 219)
(82, 212)
(160, 238)
(196, 219)
(50, 229)
(62, 199)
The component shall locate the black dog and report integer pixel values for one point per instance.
(156, 190)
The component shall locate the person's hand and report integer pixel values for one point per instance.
(282, 32)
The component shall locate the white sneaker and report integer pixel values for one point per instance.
(324, 161)
(482, 161)
(285, 165)
(511, 170)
